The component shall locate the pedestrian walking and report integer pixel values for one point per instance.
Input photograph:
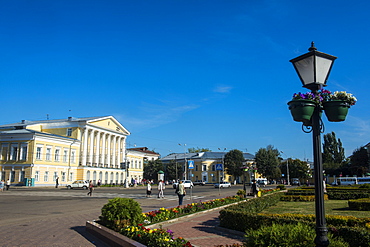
(2, 183)
(181, 192)
(254, 188)
(7, 184)
(57, 182)
(160, 189)
(148, 190)
(91, 188)
(99, 183)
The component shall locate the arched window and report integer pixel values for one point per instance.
(88, 175)
(106, 177)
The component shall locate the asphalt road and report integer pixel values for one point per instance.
(57, 217)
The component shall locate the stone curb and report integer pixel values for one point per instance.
(109, 236)
(116, 239)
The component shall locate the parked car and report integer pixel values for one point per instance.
(262, 181)
(295, 181)
(79, 184)
(199, 182)
(223, 185)
(187, 184)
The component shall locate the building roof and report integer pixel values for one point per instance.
(202, 155)
(143, 150)
(32, 132)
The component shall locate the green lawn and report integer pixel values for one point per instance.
(333, 207)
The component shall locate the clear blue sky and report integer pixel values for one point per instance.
(211, 74)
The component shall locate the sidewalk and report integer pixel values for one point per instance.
(202, 230)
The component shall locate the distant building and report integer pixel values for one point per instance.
(137, 157)
(37, 152)
(205, 165)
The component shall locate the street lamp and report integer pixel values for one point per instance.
(313, 69)
(287, 167)
(185, 169)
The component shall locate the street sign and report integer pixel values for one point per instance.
(191, 164)
(219, 167)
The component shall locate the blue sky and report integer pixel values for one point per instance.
(211, 74)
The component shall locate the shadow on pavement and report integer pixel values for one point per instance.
(91, 238)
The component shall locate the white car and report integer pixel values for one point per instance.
(187, 184)
(223, 185)
(79, 184)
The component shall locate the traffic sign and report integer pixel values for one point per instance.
(191, 164)
(219, 167)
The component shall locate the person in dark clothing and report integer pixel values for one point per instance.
(254, 188)
(91, 187)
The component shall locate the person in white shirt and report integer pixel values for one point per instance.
(160, 189)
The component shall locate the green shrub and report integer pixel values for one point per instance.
(280, 187)
(292, 235)
(301, 198)
(365, 186)
(355, 236)
(241, 193)
(121, 212)
(362, 204)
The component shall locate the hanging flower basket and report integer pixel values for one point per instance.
(302, 109)
(336, 110)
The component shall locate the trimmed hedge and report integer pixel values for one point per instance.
(362, 204)
(301, 198)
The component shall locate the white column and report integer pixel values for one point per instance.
(114, 151)
(103, 149)
(119, 151)
(91, 154)
(84, 153)
(109, 139)
(97, 149)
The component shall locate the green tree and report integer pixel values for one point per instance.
(359, 162)
(233, 161)
(297, 168)
(197, 150)
(333, 152)
(267, 162)
(152, 168)
(170, 172)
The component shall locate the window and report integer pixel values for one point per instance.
(24, 152)
(69, 132)
(71, 176)
(204, 167)
(73, 155)
(21, 176)
(4, 151)
(63, 176)
(38, 153)
(57, 153)
(46, 176)
(55, 176)
(14, 152)
(65, 155)
(12, 176)
(213, 167)
(48, 154)
(37, 176)
(135, 164)
(196, 168)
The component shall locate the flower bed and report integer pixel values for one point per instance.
(164, 214)
(153, 237)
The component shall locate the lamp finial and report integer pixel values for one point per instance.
(312, 48)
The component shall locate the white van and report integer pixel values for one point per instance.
(262, 181)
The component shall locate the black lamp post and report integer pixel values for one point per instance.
(313, 69)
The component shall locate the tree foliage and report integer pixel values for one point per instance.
(152, 168)
(170, 170)
(233, 162)
(267, 161)
(333, 152)
(297, 168)
(359, 164)
(198, 149)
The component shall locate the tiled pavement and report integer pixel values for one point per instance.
(202, 230)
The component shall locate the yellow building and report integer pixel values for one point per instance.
(137, 157)
(38, 152)
(206, 166)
